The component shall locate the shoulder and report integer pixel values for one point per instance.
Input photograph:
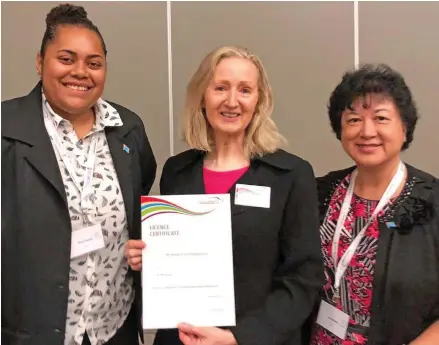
(327, 184)
(129, 118)
(421, 175)
(12, 103)
(178, 167)
(21, 109)
(422, 204)
(20, 116)
(10, 106)
(425, 186)
(182, 160)
(285, 161)
(333, 177)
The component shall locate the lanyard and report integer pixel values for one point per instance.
(340, 269)
(89, 164)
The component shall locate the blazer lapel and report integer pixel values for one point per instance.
(382, 267)
(28, 127)
(377, 329)
(122, 164)
(43, 158)
(195, 182)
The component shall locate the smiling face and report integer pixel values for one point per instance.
(231, 97)
(373, 132)
(73, 70)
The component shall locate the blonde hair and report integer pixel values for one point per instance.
(261, 135)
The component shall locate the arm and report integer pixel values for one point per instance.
(147, 161)
(164, 179)
(431, 334)
(299, 275)
(8, 178)
(148, 168)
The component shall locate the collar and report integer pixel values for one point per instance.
(279, 159)
(106, 114)
(23, 120)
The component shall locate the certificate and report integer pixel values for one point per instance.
(187, 265)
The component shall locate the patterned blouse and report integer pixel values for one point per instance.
(100, 291)
(356, 285)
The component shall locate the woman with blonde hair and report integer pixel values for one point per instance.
(277, 259)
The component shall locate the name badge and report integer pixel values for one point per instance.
(333, 320)
(256, 196)
(86, 240)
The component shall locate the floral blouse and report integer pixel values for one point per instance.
(356, 284)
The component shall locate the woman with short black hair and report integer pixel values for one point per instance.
(379, 221)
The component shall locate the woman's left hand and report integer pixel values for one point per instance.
(191, 335)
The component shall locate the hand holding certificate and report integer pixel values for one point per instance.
(187, 267)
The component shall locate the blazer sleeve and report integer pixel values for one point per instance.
(147, 160)
(435, 312)
(299, 275)
(8, 178)
(167, 177)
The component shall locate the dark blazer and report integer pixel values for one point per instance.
(36, 228)
(405, 297)
(278, 267)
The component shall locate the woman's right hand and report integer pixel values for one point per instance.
(133, 253)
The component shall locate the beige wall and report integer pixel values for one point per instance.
(296, 42)
(135, 35)
(305, 46)
(406, 35)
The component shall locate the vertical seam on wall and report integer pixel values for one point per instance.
(170, 96)
(356, 36)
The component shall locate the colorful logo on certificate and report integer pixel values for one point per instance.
(151, 206)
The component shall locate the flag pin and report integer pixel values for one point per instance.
(391, 225)
(126, 148)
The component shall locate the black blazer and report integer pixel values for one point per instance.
(405, 297)
(36, 228)
(278, 267)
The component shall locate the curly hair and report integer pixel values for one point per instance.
(376, 79)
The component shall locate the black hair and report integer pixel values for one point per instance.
(378, 79)
(67, 14)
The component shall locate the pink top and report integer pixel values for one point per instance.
(220, 182)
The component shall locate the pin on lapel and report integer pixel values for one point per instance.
(391, 225)
(126, 148)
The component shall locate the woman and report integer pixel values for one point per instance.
(73, 169)
(277, 260)
(380, 221)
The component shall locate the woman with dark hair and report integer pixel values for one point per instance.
(73, 169)
(379, 221)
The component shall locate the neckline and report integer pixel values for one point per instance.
(225, 171)
(357, 197)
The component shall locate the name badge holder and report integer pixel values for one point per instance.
(329, 317)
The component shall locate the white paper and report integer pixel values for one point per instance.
(250, 195)
(86, 240)
(333, 319)
(187, 266)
